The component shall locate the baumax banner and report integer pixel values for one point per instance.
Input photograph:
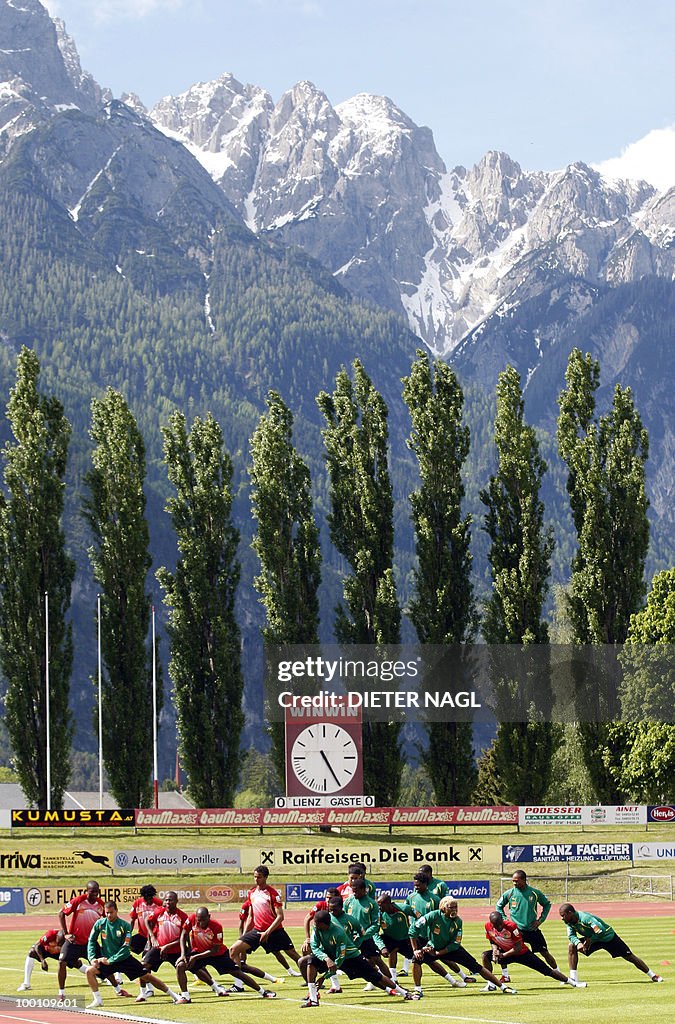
(274, 817)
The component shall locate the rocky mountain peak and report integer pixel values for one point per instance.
(39, 78)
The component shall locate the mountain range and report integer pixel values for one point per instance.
(222, 243)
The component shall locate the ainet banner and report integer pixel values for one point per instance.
(471, 683)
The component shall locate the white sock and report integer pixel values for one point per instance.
(97, 999)
(28, 969)
(505, 974)
(293, 973)
(174, 995)
(397, 988)
(269, 977)
(62, 991)
(215, 986)
(334, 982)
(418, 988)
(185, 995)
(462, 975)
(394, 973)
(449, 977)
(312, 991)
(84, 968)
(406, 964)
(574, 975)
(651, 974)
(238, 984)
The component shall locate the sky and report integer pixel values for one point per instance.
(547, 81)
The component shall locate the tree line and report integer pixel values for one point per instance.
(604, 456)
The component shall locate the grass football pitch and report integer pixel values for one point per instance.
(616, 990)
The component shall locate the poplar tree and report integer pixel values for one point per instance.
(33, 562)
(442, 609)
(520, 562)
(286, 541)
(647, 770)
(205, 664)
(361, 528)
(115, 512)
(605, 458)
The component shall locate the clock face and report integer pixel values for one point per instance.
(324, 757)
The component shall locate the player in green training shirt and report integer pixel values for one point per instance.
(366, 914)
(588, 934)
(519, 905)
(421, 900)
(436, 938)
(394, 924)
(332, 948)
(109, 953)
(435, 885)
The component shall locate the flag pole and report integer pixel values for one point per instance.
(100, 708)
(47, 708)
(155, 785)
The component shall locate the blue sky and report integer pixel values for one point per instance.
(549, 82)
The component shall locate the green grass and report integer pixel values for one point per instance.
(616, 989)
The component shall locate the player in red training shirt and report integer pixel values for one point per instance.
(147, 903)
(202, 946)
(507, 947)
(84, 911)
(265, 921)
(164, 925)
(46, 948)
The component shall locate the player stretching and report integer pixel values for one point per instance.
(84, 911)
(507, 947)
(201, 947)
(46, 948)
(436, 939)
(113, 935)
(147, 903)
(520, 905)
(333, 949)
(266, 918)
(588, 934)
(165, 925)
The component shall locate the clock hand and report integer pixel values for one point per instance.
(330, 767)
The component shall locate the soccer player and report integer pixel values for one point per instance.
(435, 885)
(588, 934)
(243, 918)
(113, 935)
(356, 870)
(520, 904)
(84, 911)
(330, 894)
(507, 946)
(436, 939)
(366, 914)
(164, 925)
(46, 948)
(420, 901)
(146, 904)
(332, 949)
(266, 917)
(201, 947)
(394, 923)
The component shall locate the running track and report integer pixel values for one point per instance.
(294, 918)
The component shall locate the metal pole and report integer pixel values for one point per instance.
(100, 708)
(155, 785)
(47, 709)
